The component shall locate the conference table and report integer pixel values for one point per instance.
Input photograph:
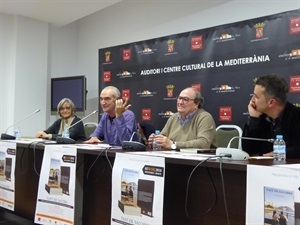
(205, 203)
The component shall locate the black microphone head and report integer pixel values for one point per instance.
(133, 146)
(7, 137)
(65, 140)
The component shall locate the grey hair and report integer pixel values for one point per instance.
(199, 99)
(60, 104)
(116, 92)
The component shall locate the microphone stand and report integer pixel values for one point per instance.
(5, 136)
(66, 140)
(235, 153)
(133, 145)
(249, 138)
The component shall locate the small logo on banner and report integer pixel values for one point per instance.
(170, 90)
(126, 54)
(171, 45)
(166, 114)
(196, 42)
(146, 93)
(146, 114)
(293, 54)
(125, 74)
(259, 30)
(225, 113)
(107, 56)
(295, 25)
(296, 52)
(225, 88)
(197, 87)
(171, 48)
(295, 83)
(107, 76)
(126, 94)
(146, 51)
(225, 37)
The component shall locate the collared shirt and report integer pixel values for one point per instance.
(287, 124)
(275, 125)
(187, 118)
(116, 131)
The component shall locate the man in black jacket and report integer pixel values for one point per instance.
(271, 114)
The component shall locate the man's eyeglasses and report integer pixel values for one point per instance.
(184, 99)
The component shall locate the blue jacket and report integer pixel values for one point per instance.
(117, 131)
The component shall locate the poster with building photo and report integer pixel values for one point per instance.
(7, 174)
(273, 194)
(137, 189)
(279, 205)
(129, 189)
(56, 192)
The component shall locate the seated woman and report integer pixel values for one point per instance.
(66, 111)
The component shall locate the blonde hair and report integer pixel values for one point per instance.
(60, 104)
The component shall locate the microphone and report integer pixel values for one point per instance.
(249, 138)
(66, 140)
(237, 154)
(133, 145)
(5, 136)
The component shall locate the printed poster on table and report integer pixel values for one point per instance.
(56, 192)
(273, 195)
(7, 174)
(137, 189)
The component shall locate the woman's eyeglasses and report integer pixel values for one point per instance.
(63, 108)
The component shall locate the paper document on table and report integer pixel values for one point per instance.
(175, 154)
(261, 157)
(197, 150)
(94, 146)
(290, 166)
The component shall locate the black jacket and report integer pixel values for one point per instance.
(76, 133)
(288, 125)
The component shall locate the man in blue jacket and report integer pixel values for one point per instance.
(117, 123)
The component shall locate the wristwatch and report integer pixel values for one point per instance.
(173, 146)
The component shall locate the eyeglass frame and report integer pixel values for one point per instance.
(185, 100)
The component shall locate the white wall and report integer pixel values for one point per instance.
(23, 63)
(73, 49)
(7, 77)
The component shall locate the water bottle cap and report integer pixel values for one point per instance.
(157, 131)
(279, 136)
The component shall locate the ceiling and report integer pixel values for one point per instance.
(55, 12)
(62, 12)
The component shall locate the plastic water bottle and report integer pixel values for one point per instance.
(17, 133)
(279, 148)
(66, 133)
(154, 144)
